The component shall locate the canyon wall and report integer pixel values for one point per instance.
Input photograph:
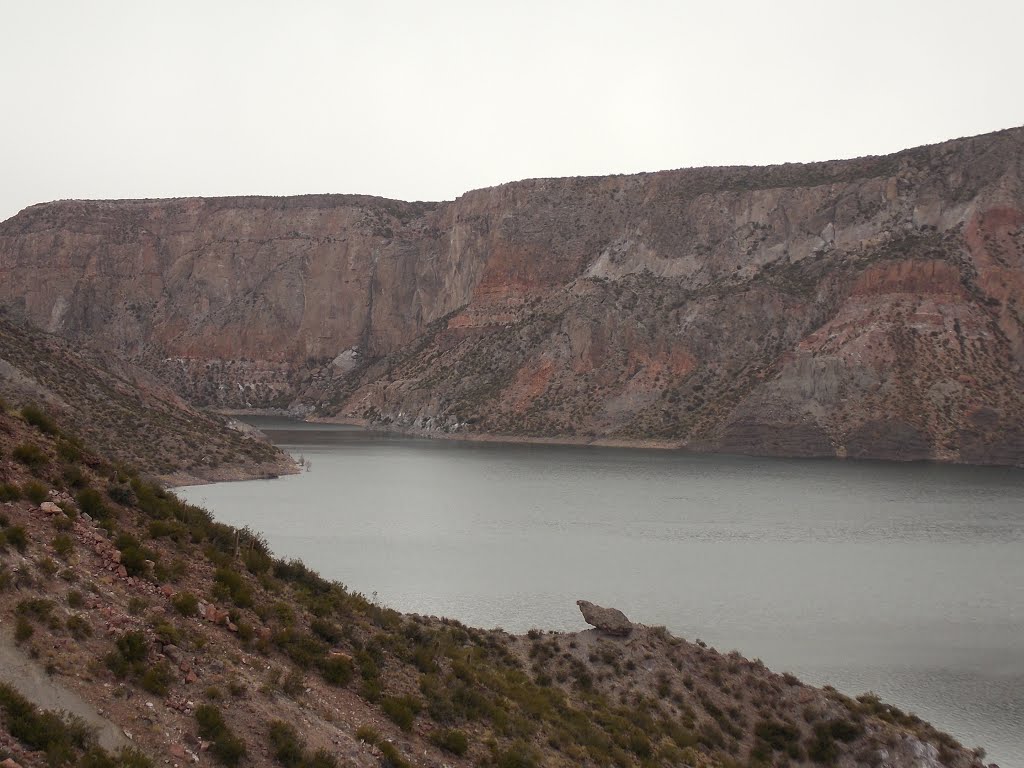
(867, 308)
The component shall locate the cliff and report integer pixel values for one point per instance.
(867, 308)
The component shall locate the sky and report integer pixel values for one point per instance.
(427, 100)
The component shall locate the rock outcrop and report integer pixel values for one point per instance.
(611, 621)
(867, 308)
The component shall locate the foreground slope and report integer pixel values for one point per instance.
(125, 412)
(191, 641)
(870, 307)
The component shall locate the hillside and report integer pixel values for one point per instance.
(126, 413)
(184, 641)
(863, 308)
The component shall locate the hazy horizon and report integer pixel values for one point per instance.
(115, 100)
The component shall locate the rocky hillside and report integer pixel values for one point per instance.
(177, 641)
(125, 412)
(867, 308)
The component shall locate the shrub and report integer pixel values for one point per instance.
(69, 451)
(226, 747)
(39, 419)
(23, 630)
(122, 494)
(9, 492)
(34, 491)
(337, 670)
(157, 679)
(76, 599)
(234, 586)
(134, 560)
(392, 757)
(321, 759)
(78, 627)
(63, 545)
(91, 503)
(367, 734)
(450, 740)
(59, 737)
(325, 630)
(29, 454)
(401, 709)
(211, 722)
(185, 603)
(16, 537)
(38, 608)
(285, 744)
(132, 646)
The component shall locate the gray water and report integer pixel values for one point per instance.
(905, 580)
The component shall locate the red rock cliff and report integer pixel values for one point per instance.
(869, 307)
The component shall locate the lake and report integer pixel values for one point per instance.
(905, 580)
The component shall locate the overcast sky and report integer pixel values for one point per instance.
(426, 100)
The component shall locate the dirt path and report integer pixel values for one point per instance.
(19, 671)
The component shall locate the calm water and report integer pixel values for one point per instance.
(903, 580)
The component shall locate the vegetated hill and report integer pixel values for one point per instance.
(869, 308)
(125, 412)
(190, 638)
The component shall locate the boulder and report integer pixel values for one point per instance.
(608, 620)
(50, 507)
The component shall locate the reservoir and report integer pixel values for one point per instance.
(905, 580)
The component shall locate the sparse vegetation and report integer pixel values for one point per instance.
(226, 747)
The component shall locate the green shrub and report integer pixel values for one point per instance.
(29, 454)
(121, 494)
(185, 603)
(91, 503)
(367, 734)
(392, 757)
(134, 560)
(78, 627)
(16, 537)
(59, 737)
(74, 476)
(157, 679)
(34, 491)
(132, 646)
(211, 721)
(321, 759)
(450, 740)
(232, 585)
(402, 710)
(9, 492)
(226, 747)
(326, 631)
(23, 630)
(39, 419)
(170, 528)
(285, 744)
(69, 451)
(76, 599)
(337, 670)
(63, 545)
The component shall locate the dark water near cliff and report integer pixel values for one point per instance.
(904, 580)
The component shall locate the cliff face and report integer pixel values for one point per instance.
(869, 307)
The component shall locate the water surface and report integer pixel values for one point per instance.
(905, 580)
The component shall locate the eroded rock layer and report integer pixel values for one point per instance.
(867, 308)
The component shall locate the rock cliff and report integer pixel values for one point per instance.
(869, 308)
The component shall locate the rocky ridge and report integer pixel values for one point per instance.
(125, 412)
(864, 308)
